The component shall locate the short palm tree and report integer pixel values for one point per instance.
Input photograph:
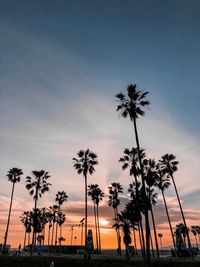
(133, 106)
(25, 218)
(194, 230)
(163, 183)
(168, 164)
(97, 195)
(60, 221)
(151, 178)
(126, 226)
(61, 197)
(14, 176)
(84, 164)
(114, 190)
(37, 185)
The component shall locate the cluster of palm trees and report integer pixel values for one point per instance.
(35, 221)
(147, 177)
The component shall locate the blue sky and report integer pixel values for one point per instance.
(61, 65)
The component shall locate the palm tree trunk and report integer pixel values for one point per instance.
(196, 242)
(152, 249)
(135, 242)
(86, 248)
(34, 220)
(184, 221)
(141, 245)
(144, 192)
(25, 239)
(29, 238)
(49, 233)
(155, 234)
(170, 226)
(99, 234)
(95, 219)
(119, 236)
(142, 238)
(8, 222)
(52, 233)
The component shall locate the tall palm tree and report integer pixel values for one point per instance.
(133, 106)
(163, 183)
(37, 185)
(151, 178)
(14, 176)
(114, 190)
(49, 221)
(54, 213)
(61, 197)
(169, 164)
(84, 164)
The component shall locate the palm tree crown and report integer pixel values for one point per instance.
(61, 197)
(134, 104)
(168, 163)
(85, 162)
(14, 175)
(38, 185)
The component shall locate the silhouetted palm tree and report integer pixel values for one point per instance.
(184, 231)
(133, 106)
(25, 218)
(37, 186)
(60, 220)
(151, 178)
(61, 197)
(163, 183)
(14, 176)
(194, 230)
(92, 189)
(49, 221)
(123, 218)
(130, 160)
(99, 197)
(169, 164)
(114, 190)
(84, 165)
(138, 205)
(54, 212)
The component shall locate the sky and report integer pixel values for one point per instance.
(61, 65)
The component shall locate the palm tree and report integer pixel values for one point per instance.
(26, 221)
(163, 183)
(183, 231)
(169, 164)
(138, 203)
(130, 160)
(14, 176)
(126, 225)
(114, 190)
(92, 193)
(151, 178)
(84, 165)
(133, 106)
(54, 212)
(61, 197)
(194, 230)
(60, 221)
(37, 186)
(49, 216)
(97, 195)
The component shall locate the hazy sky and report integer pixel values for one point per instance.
(61, 65)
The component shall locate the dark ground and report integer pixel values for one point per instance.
(41, 261)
